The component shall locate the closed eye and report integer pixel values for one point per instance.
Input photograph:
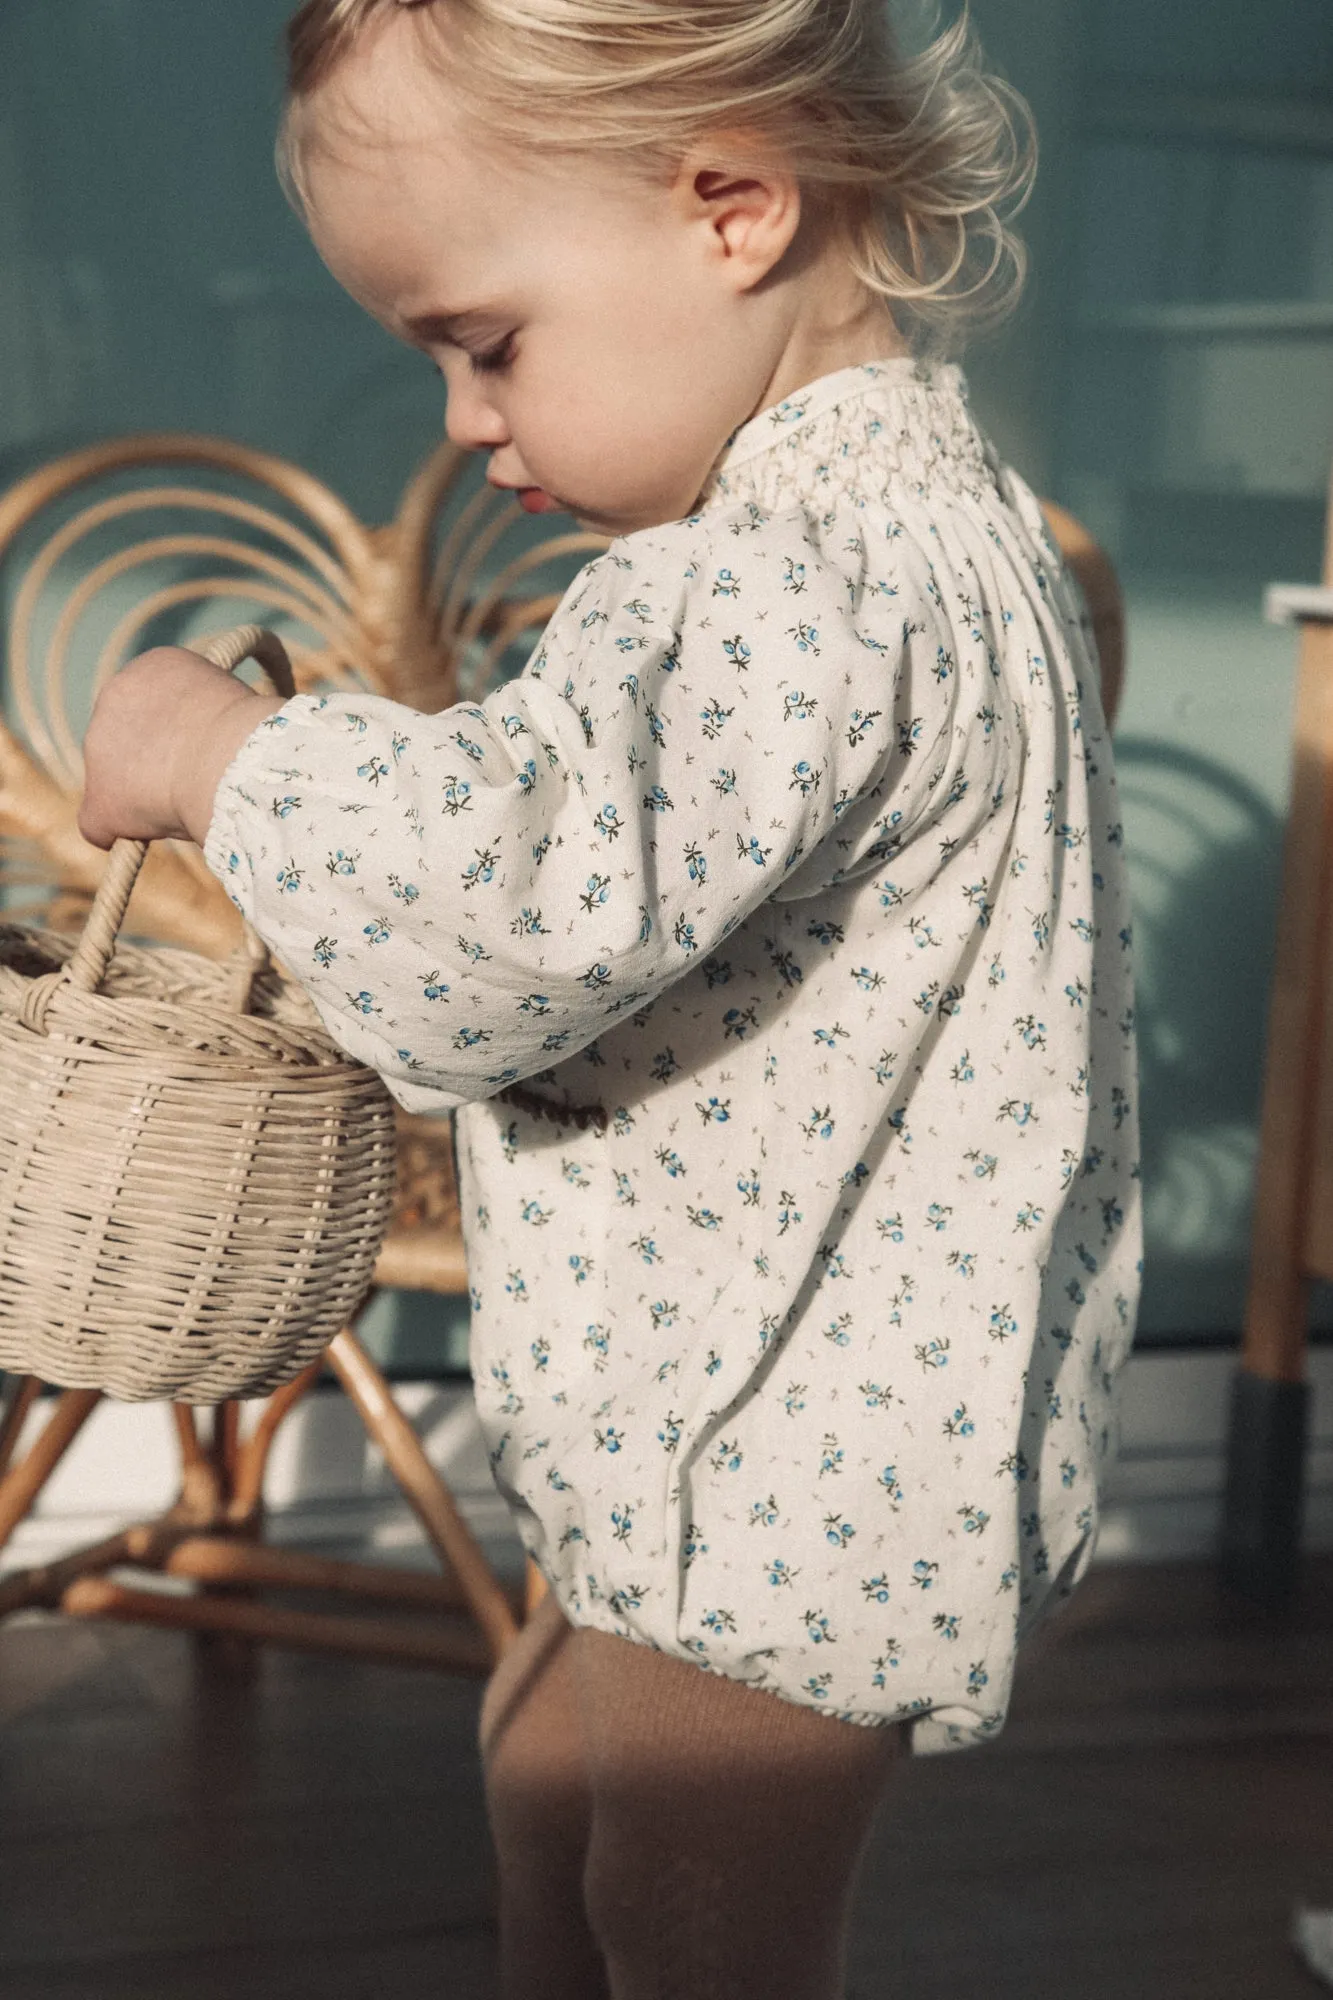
(493, 360)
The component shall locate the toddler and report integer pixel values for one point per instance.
(769, 933)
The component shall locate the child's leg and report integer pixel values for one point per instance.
(727, 1830)
(540, 1813)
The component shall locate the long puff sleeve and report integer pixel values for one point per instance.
(472, 895)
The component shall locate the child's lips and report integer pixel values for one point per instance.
(535, 500)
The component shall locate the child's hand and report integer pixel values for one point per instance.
(162, 734)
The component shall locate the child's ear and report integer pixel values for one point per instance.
(750, 213)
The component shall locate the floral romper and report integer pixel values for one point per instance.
(771, 932)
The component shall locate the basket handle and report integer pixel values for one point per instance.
(86, 967)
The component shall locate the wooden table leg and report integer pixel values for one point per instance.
(1292, 1232)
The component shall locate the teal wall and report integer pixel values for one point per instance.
(1170, 377)
(152, 273)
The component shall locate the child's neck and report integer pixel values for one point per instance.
(835, 323)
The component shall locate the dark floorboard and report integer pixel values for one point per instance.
(1161, 1799)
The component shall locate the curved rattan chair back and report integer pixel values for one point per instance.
(150, 533)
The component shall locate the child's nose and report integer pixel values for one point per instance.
(471, 419)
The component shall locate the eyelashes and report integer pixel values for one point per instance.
(494, 359)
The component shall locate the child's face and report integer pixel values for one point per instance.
(598, 337)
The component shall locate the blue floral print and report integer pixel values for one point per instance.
(771, 933)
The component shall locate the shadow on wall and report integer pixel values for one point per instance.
(1205, 856)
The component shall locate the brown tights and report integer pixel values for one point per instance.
(664, 1834)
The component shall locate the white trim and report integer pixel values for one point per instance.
(1290, 603)
(328, 1487)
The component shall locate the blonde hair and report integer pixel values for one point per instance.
(924, 159)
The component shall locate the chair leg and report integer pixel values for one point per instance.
(246, 1496)
(24, 1481)
(464, 1651)
(201, 1494)
(221, 1495)
(143, 1547)
(430, 1499)
(15, 1404)
(216, 1559)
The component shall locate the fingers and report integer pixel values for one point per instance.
(134, 739)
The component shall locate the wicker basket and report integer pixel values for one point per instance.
(194, 1180)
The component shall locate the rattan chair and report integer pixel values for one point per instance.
(402, 610)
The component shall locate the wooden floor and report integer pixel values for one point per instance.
(1162, 1798)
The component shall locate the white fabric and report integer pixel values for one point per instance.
(1312, 1935)
(788, 877)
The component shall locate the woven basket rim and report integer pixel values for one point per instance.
(133, 955)
(281, 1026)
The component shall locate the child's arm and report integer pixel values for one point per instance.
(472, 896)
